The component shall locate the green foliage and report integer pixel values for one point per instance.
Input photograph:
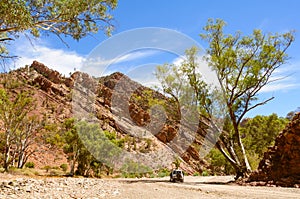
(90, 148)
(151, 102)
(47, 168)
(205, 173)
(95, 140)
(55, 172)
(64, 167)
(148, 143)
(112, 136)
(29, 165)
(260, 132)
(220, 165)
(147, 98)
(244, 63)
(53, 135)
(74, 18)
(18, 127)
(132, 169)
(163, 172)
(175, 84)
(24, 171)
(243, 66)
(177, 162)
(291, 114)
(73, 146)
(254, 159)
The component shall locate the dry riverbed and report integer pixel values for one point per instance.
(12, 186)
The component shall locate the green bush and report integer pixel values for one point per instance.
(54, 173)
(163, 172)
(64, 167)
(131, 169)
(205, 173)
(47, 168)
(220, 165)
(29, 165)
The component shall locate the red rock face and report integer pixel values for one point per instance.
(281, 163)
(52, 75)
(53, 93)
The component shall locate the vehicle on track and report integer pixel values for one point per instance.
(177, 175)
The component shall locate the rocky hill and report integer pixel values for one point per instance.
(281, 163)
(57, 100)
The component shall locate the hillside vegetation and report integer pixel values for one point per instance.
(39, 130)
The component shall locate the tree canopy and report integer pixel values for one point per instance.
(260, 132)
(75, 18)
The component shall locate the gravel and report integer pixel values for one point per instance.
(58, 188)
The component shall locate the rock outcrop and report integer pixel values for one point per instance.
(281, 163)
(54, 95)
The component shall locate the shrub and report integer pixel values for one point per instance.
(219, 163)
(64, 167)
(163, 172)
(29, 165)
(131, 169)
(204, 173)
(54, 173)
(47, 168)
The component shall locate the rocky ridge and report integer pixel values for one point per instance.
(54, 94)
(281, 163)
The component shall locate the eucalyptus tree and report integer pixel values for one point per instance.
(243, 66)
(17, 126)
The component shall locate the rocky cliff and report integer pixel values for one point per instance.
(281, 163)
(54, 95)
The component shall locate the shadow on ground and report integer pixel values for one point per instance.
(189, 182)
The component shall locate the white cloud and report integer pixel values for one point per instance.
(177, 61)
(135, 55)
(57, 59)
(98, 66)
(283, 79)
(278, 87)
(210, 77)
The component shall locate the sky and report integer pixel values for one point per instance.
(186, 18)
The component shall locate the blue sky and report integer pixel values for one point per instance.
(186, 17)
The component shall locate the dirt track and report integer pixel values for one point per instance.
(199, 187)
(193, 187)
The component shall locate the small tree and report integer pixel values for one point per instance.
(177, 162)
(73, 145)
(14, 112)
(25, 137)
